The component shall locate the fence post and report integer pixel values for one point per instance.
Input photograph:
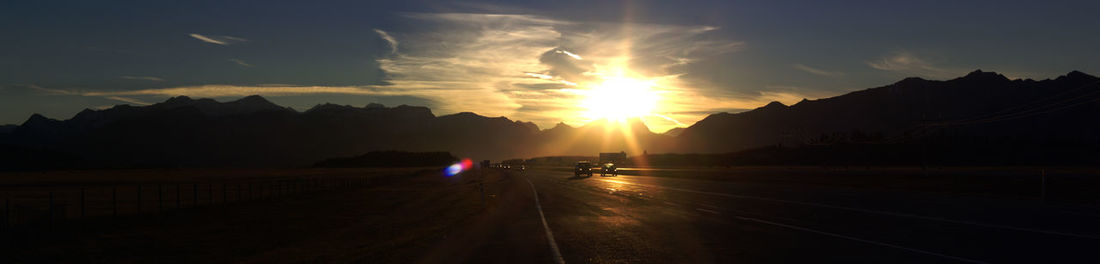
(195, 194)
(225, 194)
(210, 192)
(178, 196)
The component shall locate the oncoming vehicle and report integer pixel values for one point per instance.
(609, 168)
(583, 168)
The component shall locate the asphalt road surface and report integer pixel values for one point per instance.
(641, 219)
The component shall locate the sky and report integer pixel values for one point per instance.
(670, 63)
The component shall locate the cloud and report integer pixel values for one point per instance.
(537, 68)
(908, 63)
(128, 100)
(817, 71)
(389, 39)
(570, 54)
(220, 40)
(144, 78)
(240, 62)
(224, 90)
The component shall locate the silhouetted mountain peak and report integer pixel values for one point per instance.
(982, 76)
(1077, 76)
(328, 107)
(254, 100)
(463, 115)
(38, 118)
(254, 103)
(910, 81)
(182, 99)
(414, 110)
(774, 105)
(374, 106)
(562, 125)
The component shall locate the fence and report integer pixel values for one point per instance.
(38, 208)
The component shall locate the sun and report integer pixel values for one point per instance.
(620, 98)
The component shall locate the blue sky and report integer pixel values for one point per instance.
(527, 60)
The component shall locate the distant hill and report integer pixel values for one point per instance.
(390, 159)
(253, 132)
(980, 113)
(980, 117)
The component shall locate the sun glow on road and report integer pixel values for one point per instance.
(620, 98)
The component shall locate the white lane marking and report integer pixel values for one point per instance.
(549, 235)
(708, 211)
(896, 214)
(857, 239)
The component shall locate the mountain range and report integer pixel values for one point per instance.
(982, 110)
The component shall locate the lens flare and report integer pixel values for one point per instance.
(455, 169)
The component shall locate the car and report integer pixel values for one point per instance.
(583, 168)
(609, 168)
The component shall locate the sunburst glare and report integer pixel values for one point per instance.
(619, 98)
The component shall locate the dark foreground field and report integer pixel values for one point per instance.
(399, 219)
(687, 215)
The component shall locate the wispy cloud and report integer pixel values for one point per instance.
(144, 78)
(909, 63)
(389, 39)
(128, 100)
(219, 90)
(537, 68)
(817, 71)
(570, 54)
(220, 40)
(240, 62)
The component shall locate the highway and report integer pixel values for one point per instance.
(645, 219)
